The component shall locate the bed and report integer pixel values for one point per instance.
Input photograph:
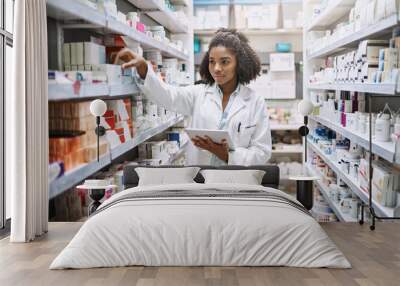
(199, 224)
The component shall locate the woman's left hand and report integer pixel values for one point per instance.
(221, 150)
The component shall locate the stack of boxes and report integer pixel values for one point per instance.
(65, 120)
(83, 56)
(371, 58)
(321, 210)
(163, 148)
(118, 122)
(69, 118)
(89, 58)
(375, 61)
(385, 183)
(153, 153)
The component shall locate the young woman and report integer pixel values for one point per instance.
(223, 102)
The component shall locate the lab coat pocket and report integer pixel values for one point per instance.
(244, 135)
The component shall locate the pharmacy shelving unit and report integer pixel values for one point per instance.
(385, 150)
(254, 32)
(176, 155)
(60, 92)
(143, 136)
(382, 27)
(89, 18)
(350, 181)
(381, 88)
(75, 14)
(77, 175)
(335, 11)
(162, 15)
(343, 217)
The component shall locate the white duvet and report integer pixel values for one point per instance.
(207, 231)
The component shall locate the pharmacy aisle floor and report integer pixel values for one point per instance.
(375, 257)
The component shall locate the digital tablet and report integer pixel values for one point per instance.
(216, 135)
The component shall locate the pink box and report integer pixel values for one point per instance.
(140, 27)
(343, 119)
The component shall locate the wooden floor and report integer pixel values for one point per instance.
(375, 257)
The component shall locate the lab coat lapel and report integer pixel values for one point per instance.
(213, 96)
(239, 103)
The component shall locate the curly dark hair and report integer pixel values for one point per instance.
(248, 62)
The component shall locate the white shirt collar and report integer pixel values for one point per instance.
(219, 91)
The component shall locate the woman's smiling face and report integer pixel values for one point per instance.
(222, 65)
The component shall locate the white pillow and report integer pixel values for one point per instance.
(166, 176)
(248, 177)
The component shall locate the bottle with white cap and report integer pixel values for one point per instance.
(382, 127)
(362, 123)
(397, 125)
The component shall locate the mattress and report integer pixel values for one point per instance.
(201, 225)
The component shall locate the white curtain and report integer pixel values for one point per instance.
(27, 123)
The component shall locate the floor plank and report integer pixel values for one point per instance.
(375, 257)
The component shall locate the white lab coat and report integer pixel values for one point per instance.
(204, 104)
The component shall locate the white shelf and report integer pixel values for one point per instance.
(386, 150)
(74, 10)
(278, 127)
(351, 182)
(169, 21)
(161, 14)
(288, 151)
(377, 88)
(142, 137)
(254, 32)
(325, 192)
(147, 5)
(77, 175)
(146, 41)
(122, 89)
(66, 91)
(381, 27)
(180, 2)
(335, 10)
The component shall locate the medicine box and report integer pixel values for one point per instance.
(113, 72)
(67, 54)
(94, 54)
(77, 54)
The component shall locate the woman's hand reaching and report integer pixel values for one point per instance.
(221, 150)
(132, 59)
